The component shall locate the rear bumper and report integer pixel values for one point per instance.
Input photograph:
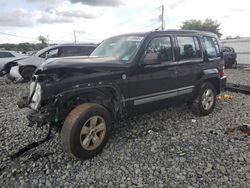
(223, 81)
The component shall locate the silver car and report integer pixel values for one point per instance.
(8, 56)
(25, 68)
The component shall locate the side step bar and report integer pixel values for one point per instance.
(238, 88)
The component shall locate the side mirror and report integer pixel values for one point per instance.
(151, 58)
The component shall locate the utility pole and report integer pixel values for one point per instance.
(48, 39)
(75, 35)
(162, 18)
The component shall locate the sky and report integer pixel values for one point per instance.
(95, 20)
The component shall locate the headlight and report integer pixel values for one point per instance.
(37, 96)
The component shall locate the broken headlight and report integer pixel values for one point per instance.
(35, 95)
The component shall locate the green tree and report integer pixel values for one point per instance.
(207, 25)
(43, 40)
(24, 47)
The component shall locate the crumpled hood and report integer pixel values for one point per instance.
(83, 64)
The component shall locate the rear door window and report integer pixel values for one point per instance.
(189, 47)
(212, 47)
(86, 50)
(77, 50)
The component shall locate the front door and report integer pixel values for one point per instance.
(156, 77)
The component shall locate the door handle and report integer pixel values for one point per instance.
(201, 64)
(172, 68)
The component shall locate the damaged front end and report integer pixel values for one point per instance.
(39, 114)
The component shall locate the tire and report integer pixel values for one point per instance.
(203, 105)
(27, 73)
(78, 137)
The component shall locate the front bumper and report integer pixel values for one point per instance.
(15, 75)
(223, 81)
(5, 69)
(38, 117)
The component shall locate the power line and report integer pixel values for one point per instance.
(147, 27)
(13, 35)
(24, 37)
(136, 17)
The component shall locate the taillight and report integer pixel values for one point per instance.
(222, 74)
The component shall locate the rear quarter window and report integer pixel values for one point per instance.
(212, 47)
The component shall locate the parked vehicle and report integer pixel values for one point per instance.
(8, 56)
(229, 57)
(125, 75)
(23, 69)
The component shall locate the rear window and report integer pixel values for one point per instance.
(212, 47)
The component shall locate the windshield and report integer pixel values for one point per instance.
(122, 47)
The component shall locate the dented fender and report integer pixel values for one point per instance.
(114, 99)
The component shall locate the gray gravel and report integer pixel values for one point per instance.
(238, 76)
(166, 148)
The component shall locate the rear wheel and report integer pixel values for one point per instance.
(86, 130)
(205, 101)
(27, 73)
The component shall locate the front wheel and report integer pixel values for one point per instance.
(86, 130)
(205, 101)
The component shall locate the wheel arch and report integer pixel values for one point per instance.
(22, 67)
(107, 96)
(212, 76)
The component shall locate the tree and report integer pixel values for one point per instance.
(43, 40)
(24, 47)
(207, 25)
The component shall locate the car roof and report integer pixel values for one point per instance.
(76, 44)
(62, 45)
(173, 32)
(8, 51)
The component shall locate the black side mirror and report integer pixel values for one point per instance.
(151, 58)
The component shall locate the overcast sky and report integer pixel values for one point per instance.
(95, 20)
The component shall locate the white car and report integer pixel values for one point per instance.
(8, 56)
(25, 68)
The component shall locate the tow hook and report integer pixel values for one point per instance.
(33, 145)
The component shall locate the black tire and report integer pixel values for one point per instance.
(197, 107)
(73, 126)
(27, 73)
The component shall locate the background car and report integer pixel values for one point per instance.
(24, 69)
(229, 57)
(8, 56)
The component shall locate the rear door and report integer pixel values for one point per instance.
(191, 61)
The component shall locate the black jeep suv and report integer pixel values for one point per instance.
(125, 75)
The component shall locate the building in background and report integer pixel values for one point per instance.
(241, 47)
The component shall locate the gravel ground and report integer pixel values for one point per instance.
(166, 148)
